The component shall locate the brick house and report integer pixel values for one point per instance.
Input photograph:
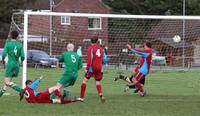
(69, 29)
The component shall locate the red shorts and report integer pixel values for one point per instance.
(138, 76)
(98, 75)
(43, 97)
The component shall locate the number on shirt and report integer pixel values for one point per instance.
(15, 51)
(98, 53)
(27, 94)
(73, 58)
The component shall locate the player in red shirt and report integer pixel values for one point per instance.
(95, 60)
(33, 96)
(142, 70)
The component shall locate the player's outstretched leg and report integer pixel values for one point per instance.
(15, 87)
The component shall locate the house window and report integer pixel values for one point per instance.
(65, 20)
(94, 23)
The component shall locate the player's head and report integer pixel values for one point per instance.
(94, 40)
(70, 47)
(28, 82)
(147, 45)
(14, 34)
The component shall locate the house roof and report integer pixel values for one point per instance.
(170, 42)
(41, 4)
(170, 28)
(45, 4)
(82, 6)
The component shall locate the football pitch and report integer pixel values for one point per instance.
(168, 94)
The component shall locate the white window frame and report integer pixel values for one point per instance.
(65, 22)
(89, 40)
(100, 26)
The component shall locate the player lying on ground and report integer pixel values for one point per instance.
(142, 69)
(73, 64)
(95, 60)
(14, 50)
(33, 96)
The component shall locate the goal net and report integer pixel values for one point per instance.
(175, 39)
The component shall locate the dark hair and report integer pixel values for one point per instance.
(94, 39)
(148, 44)
(14, 34)
(28, 81)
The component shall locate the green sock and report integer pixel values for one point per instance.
(16, 88)
(2, 91)
(53, 96)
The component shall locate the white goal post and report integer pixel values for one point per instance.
(113, 16)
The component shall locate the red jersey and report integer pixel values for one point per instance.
(29, 95)
(145, 60)
(94, 58)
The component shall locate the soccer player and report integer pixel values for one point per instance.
(142, 70)
(14, 50)
(33, 96)
(73, 63)
(95, 60)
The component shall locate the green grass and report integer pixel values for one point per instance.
(168, 94)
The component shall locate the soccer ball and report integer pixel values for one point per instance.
(176, 38)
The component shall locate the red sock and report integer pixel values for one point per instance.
(99, 90)
(57, 93)
(83, 88)
(139, 86)
(66, 101)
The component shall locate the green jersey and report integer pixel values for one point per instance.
(72, 61)
(14, 50)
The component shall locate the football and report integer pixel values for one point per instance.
(176, 38)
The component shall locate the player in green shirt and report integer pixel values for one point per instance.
(14, 50)
(73, 64)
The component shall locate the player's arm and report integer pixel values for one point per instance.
(80, 63)
(139, 52)
(35, 83)
(61, 59)
(105, 59)
(22, 54)
(89, 58)
(5, 49)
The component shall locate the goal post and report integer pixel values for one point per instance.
(115, 31)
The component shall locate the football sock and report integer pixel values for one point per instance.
(65, 94)
(53, 96)
(99, 90)
(2, 91)
(57, 93)
(122, 77)
(131, 86)
(83, 88)
(16, 88)
(139, 86)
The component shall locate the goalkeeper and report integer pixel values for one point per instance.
(14, 50)
(142, 70)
